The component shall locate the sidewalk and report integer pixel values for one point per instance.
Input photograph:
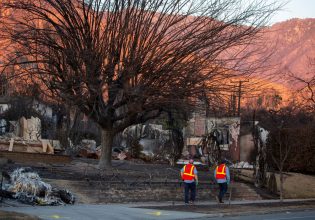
(226, 202)
(236, 207)
(165, 210)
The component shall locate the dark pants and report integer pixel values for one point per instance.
(223, 190)
(192, 188)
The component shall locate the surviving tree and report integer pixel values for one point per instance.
(123, 62)
(281, 140)
(306, 83)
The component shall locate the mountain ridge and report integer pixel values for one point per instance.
(293, 42)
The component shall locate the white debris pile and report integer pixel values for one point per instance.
(243, 165)
(28, 188)
(25, 181)
(181, 162)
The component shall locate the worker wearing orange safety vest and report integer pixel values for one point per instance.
(190, 178)
(222, 176)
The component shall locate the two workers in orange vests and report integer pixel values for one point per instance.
(189, 175)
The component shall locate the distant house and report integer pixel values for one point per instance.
(225, 131)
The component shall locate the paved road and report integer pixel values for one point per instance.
(98, 212)
(123, 212)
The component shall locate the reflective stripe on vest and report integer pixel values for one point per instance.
(189, 172)
(220, 172)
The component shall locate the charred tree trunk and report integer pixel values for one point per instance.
(107, 137)
(65, 127)
(74, 128)
(281, 185)
(177, 141)
(261, 164)
(281, 163)
(260, 167)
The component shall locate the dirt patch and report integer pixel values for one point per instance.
(296, 185)
(16, 216)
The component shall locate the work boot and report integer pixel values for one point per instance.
(217, 198)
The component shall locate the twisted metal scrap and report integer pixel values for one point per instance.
(29, 188)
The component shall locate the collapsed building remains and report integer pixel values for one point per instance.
(25, 136)
(204, 136)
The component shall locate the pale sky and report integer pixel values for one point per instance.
(295, 9)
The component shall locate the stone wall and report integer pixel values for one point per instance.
(35, 157)
(118, 192)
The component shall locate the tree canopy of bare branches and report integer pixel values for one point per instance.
(306, 82)
(123, 62)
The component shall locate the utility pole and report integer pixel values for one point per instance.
(239, 98)
(240, 82)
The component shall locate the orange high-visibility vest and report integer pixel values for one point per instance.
(189, 173)
(220, 172)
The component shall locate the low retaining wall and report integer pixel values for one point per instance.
(35, 157)
(118, 192)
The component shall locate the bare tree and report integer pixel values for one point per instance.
(281, 140)
(306, 82)
(123, 62)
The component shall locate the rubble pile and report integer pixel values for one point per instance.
(18, 144)
(27, 187)
(24, 135)
(147, 142)
(182, 162)
(243, 165)
(87, 148)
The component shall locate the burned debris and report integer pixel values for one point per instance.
(25, 185)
